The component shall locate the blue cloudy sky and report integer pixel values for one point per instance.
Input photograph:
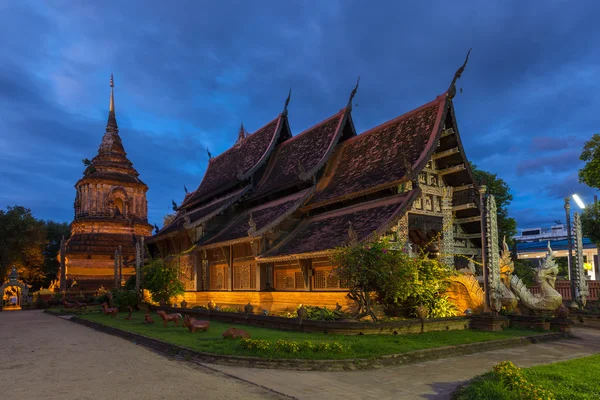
(188, 72)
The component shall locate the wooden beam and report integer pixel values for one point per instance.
(476, 218)
(467, 206)
(445, 153)
(468, 236)
(447, 132)
(464, 187)
(454, 169)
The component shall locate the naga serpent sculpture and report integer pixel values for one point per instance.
(466, 293)
(548, 299)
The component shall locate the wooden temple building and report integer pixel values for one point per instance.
(110, 212)
(261, 225)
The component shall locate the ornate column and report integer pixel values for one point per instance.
(448, 227)
(492, 265)
(581, 286)
(116, 276)
(138, 266)
(482, 206)
(63, 267)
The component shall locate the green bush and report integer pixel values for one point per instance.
(125, 298)
(162, 281)
(130, 283)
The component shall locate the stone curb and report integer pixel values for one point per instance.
(321, 365)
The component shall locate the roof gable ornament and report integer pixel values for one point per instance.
(252, 225)
(185, 188)
(241, 134)
(287, 102)
(349, 106)
(451, 92)
(209, 155)
(352, 235)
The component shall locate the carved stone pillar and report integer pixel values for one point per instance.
(492, 256)
(581, 286)
(448, 228)
(63, 267)
(116, 276)
(138, 266)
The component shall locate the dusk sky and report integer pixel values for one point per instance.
(188, 72)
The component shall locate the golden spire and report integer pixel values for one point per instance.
(112, 120)
(112, 94)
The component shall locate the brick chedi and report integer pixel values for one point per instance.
(110, 211)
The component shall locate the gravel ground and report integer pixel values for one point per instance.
(46, 357)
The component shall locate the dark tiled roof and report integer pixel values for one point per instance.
(101, 243)
(297, 159)
(330, 230)
(264, 217)
(200, 214)
(374, 159)
(238, 162)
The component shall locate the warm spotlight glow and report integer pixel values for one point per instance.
(578, 201)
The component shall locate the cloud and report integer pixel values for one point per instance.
(187, 76)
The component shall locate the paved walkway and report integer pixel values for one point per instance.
(49, 358)
(428, 380)
(44, 357)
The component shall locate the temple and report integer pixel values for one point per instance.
(261, 225)
(110, 212)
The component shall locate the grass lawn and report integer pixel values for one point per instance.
(575, 379)
(366, 346)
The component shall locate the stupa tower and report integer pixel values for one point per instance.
(110, 211)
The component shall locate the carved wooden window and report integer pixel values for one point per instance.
(325, 279)
(289, 279)
(187, 272)
(244, 277)
(218, 277)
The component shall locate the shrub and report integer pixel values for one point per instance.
(441, 307)
(125, 298)
(513, 378)
(40, 303)
(255, 344)
(103, 298)
(229, 309)
(287, 346)
(396, 279)
(162, 281)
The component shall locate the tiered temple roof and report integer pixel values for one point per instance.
(380, 157)
(236, 165)
(326, 179)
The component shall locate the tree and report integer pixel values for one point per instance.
(22, 243)
(590, 222)
(54, 233)
(162, 281)
(507, 227)
(396, 279)
(590, 173)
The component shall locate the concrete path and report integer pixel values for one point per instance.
(50, 358)
(44, 357)
(427, 380)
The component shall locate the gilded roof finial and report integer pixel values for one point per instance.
(241, 133)
(112, 120)
(287, 102)
(452, 89)
(349, 106)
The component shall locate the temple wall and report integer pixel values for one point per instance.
(274, 302)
